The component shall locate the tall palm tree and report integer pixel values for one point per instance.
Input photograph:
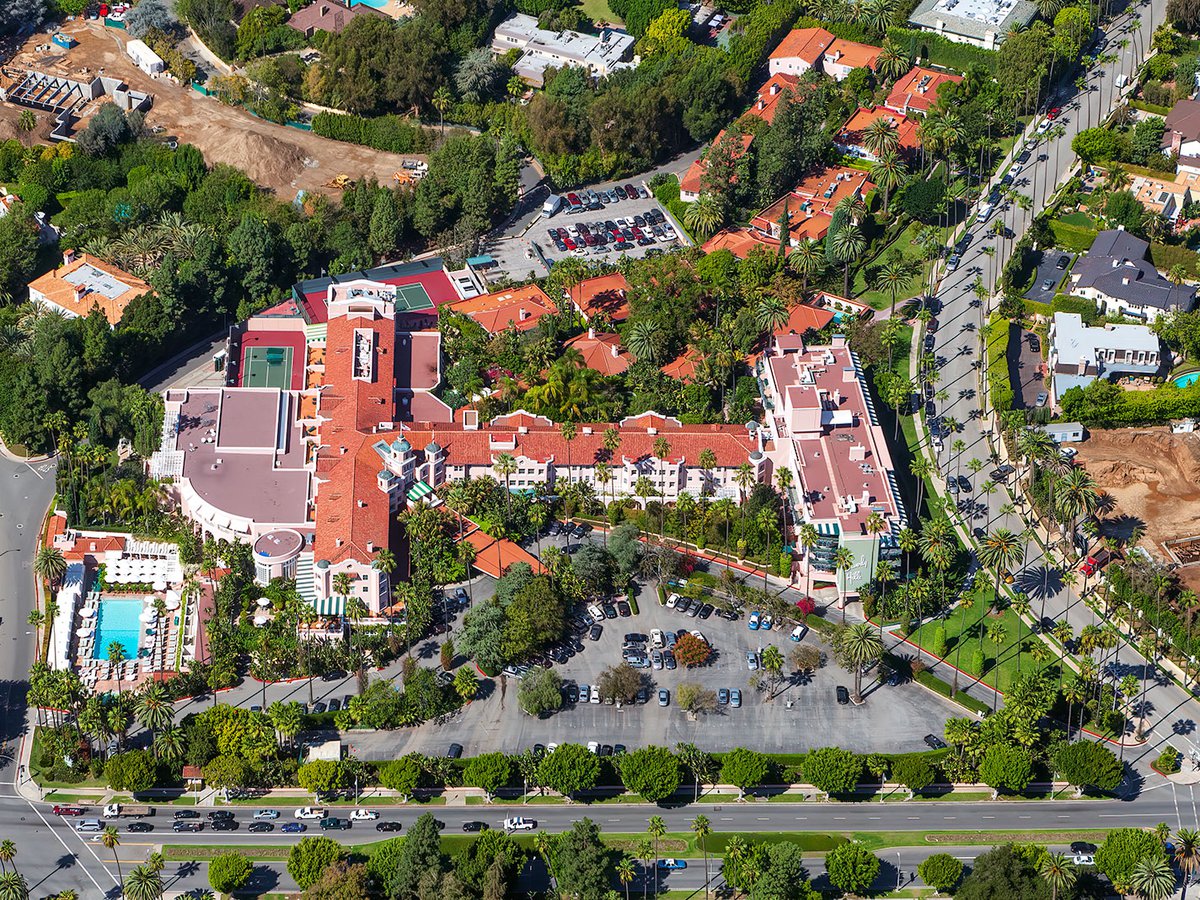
(1153, 878)
(657, 829)
(702, 829)
(881, 136)
(708, 462)
(505, 466)
(143, 883)
(153, 708)
(770, 314)
(1001, 550)
(859, 646)
(1058, 872)
(441, 101)
(889, 173)
(706, 215)
(809, 537)
(1187, 855)
(8, 854)
(893, 279)
(111, 841)
(662, 450)
(892, 62)
(13, 887)
(843, 562)
(625, 873)
(847, 245)
(50, 565)
(643, 340)
(807, 259)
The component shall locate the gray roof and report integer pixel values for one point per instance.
(973, 18)
(1117, 267)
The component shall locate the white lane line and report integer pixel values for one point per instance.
(1192, 791)
(58, 837)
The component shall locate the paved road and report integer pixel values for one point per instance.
(957, 344)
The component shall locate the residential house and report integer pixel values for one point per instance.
(842, 57)
(800, 50)
(600, 351)
(809, 205)
(603, 295)
(981, 23)
(691, 184)
(520, 308)
(1116, 274)
(599, 55)
(1182, 135)
(849, 138)
(1079, 354)
(917, 91)
(83, 283)
(1161, 196)
(821, 419)
(327, 15)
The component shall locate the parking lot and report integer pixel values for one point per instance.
(804, 713)
(1053, 268)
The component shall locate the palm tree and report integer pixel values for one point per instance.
(1153, 878)
(706, 215)
(847, 245)
(153, 708)
(881, 136)
(13, 887)
(143, 884)
(1000, 550)
(807, 259)
(770, 314)
(859, 646)
(809, 537)
(708, 462)
(111, 841)
(843, 562)
(50, 565)
(1187, 855)
(892, 62)
(662, 450)
(657, 829)
(116, 655)
(888, 172)
(702, 829)
(1058, 872)
(643, 340)
(8, 854)
(625, 873)
(505, 466)
(441, 101)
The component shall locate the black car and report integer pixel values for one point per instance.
(388, 826)
(219, 814)
(706, 610)
(610, 611)
(683, 605)
(319, 707)
(224, 825)
(606, 750)
(334, 704)
(951, 484)
(455, 751)
(623, 609)
(139, 827)
(964, 484)
(554, 528)
(643, 695)
(475, 826)
(261, 827)
(333, 823)
(581, 529)
(1082, 847)
(618, 749)
(184, 825)
(929, 342)
(186, 814)
(595, 632)
(1063, 262)
(934, 742)
(572, 693)
(843, 695)
(634, 637)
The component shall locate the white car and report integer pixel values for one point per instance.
(596, 613)
(551, 747)
(1083, 859)
(1068, 452)
(799, 632)
(266, 815)
(699, 635)
(1044, 126)
(593, 746)
(656, 638)
(310, 812)
(520, 823)
(363, 815)
(672, 600)
(595, 694)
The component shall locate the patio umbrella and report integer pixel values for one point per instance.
(261, 620)
(148, 616)
(264, 602)
(87, 612)
(172, 602)
(159, 585)
(84, 631)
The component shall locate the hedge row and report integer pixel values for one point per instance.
(995, 337)
(392, 134)
(1167, 256)
(1076, 238)
(931, 681)
(1104, 405)
(941, 52)
(762, 29)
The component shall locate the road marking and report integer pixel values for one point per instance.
(987, 817)
(58, 837)
(947, 818)
(34, 471)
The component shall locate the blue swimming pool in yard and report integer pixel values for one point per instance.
(117, 620)
(1187, 379)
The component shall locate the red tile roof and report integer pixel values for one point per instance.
(683, 367)
(851, 54)
(850, 134)
(766, 102)
(75, 287)
(917, 90)
(807, 44)
(495, 557)
(602, 294)
(739, 242)
(602, 352)
(811, 202)
(802, 318)
(694, 177)
(326, 15)
(520, 308)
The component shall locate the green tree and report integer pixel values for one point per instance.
(569, 770)
(581, 863)
(1006, 768)
(312, 856)
(321, 776)
(420, 858)
(540, 691)
(490, 771)
(653, 773)
(941, 872)
(229, 872)
(131, 771)
(1058, 872)
(833, 770)
(1095, 145)
(744, 768)
(852, 868)
(401, 775)
(143, 883)
(1153, 878)
(1085, 765)
(1122, 850)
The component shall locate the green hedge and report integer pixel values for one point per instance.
(1150, 107)
(931, 681)
(995, 337)
(1072, 237)
(1087, 309)
(941, 52)
(847, 31)
(1164, 256)
(1104, 405)
(762, 29)
(392, 134)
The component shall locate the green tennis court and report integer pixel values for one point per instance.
(269, 367)
(412, 296)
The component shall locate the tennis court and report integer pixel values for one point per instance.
(269, 367)
(412, 296)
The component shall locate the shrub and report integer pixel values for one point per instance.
(1168, 761)
(229, 872)
(941, 872)
(996, 343)
(393, 134)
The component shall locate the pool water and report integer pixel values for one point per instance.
(118, 620)
(1187, 380)
(374, 4)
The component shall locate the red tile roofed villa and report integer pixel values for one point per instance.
(518, 308)
(602, 352)
(84, 282)
(740, 242)
(843, 57)
(810, 204)
(693, 180)
(849, 138)
(917, 91)
(766, 100)
(603, 294)
(800, 50)
(823, 421)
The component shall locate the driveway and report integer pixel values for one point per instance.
(1048, 270)
(1024, 368)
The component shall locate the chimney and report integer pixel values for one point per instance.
(775, 89)
(591, 334)
(837, 399)
(866, 497)
(325, 12)
(616, 351)
(80, 290)
(68, 257)
(523, 314)
(370, 546)
(362, 504)
(761, 105)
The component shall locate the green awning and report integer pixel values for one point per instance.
(330, 606)
(419, 491)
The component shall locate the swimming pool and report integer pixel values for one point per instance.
(117, 620)
(374, 4)
(1187, 379)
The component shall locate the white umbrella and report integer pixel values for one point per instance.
(261, 619)
(159, 585)
(264, 601)
(149, 616)
(84, 631)
(87, 612)
(172, 602)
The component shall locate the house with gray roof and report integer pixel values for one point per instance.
(983, 23)
(1116, 274)
(1079, 354)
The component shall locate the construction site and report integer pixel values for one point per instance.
(283, 159)
(1153, 476)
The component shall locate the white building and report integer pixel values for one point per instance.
(600, 54)
(1079, 354)
(144, 58)
(1116, 274)
(983, 23)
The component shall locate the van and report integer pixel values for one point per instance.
(552, 205)
(1122, 80)
(89, 825)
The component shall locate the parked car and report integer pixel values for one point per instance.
(751, 660)
(753, 622)
(843, 695)
(735, 698)
(454, 751)
(798, 633)
(664, 697)
(595, 631)
(934, 742)
(723, 696)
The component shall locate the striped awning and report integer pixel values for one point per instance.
(828, 529)
(419, 491)
(330, 606)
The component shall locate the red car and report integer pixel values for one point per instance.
(68, 810)
(1052, 114)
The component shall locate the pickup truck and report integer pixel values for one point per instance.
(127, 811)
(519, 823)
(1095, 562)
(310, 812)
(333, 823)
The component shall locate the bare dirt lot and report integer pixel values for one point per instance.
(1154, 477)
(277, 157)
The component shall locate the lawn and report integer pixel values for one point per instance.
(1002, 663)
(35, 770)
(910, 253)
(598, 11)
